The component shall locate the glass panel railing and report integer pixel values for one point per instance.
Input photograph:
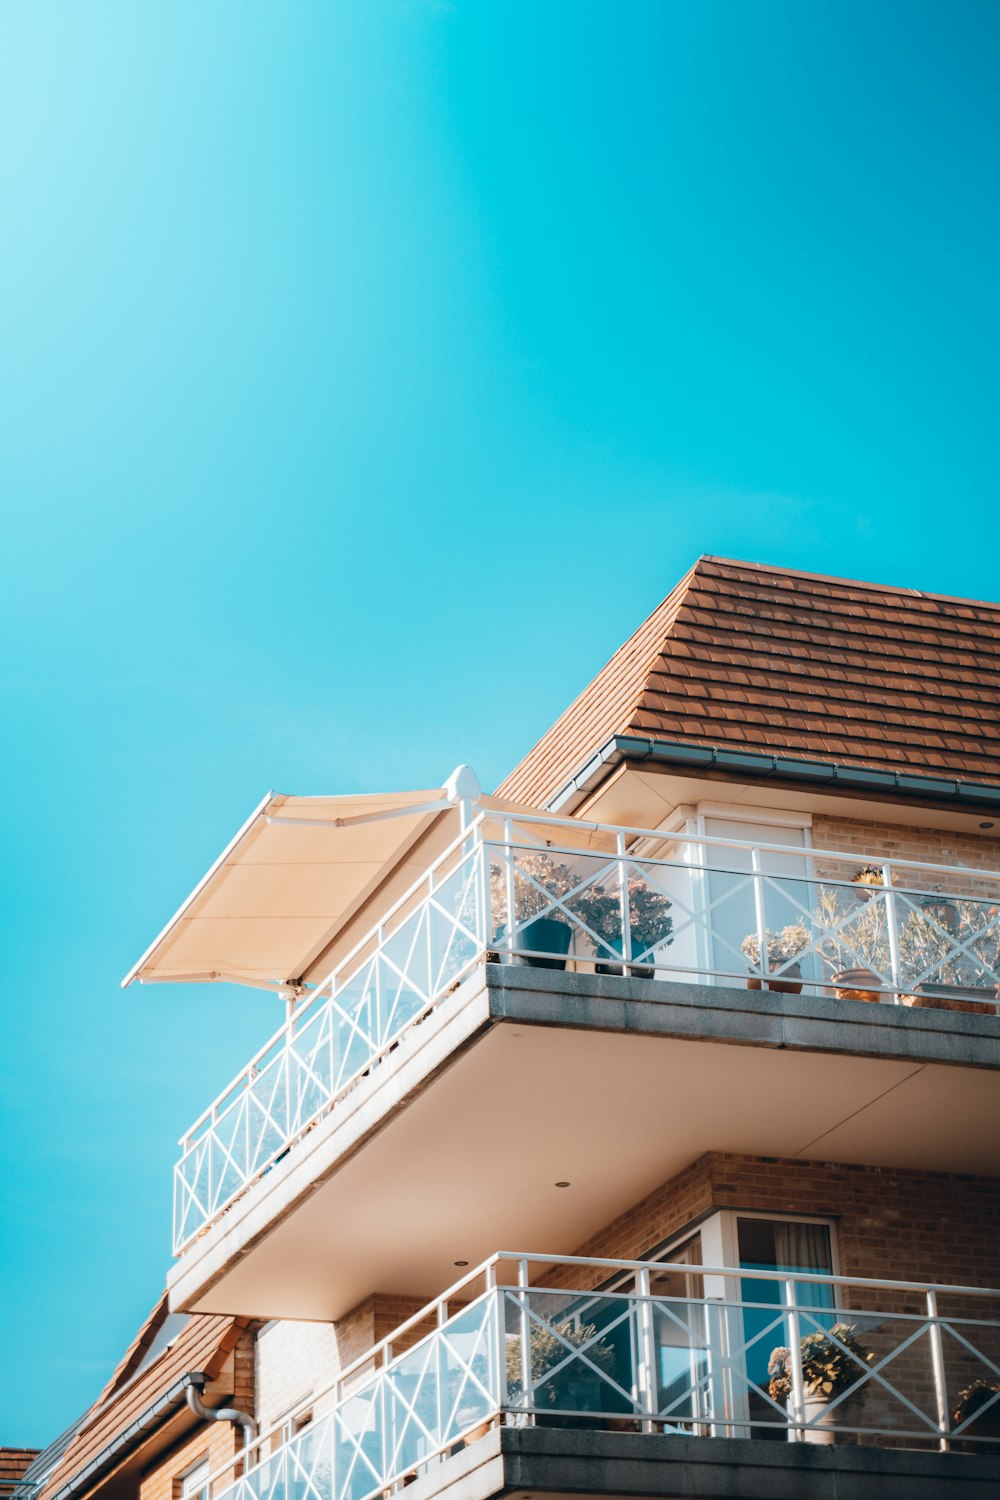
(705, 911)
(817, 1359)
(366, 1007)
(396, 1421)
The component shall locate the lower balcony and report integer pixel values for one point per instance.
(547, 1373)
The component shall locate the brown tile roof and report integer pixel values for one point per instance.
(13, 1462)
(795, 664)
(204, 1343)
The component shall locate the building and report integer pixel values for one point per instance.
(612, 1116)
(141, 1439)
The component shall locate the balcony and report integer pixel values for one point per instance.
(690, 1363)
(705, 913)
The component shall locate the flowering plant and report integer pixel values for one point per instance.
(648, 909)
(539, 881)
(830, 1363)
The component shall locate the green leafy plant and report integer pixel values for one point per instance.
(547, 1349)
(783, 947)
(827, 1364)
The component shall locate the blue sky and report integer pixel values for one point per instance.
(367, 372)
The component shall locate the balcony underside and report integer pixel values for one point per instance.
(523, 1078)
(536, 1464)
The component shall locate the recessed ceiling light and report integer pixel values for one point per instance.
(986, 825)
(461, 1262)
(562, 1184)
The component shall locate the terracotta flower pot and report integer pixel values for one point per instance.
(792, 985)
(974, 1001)
(857, 984)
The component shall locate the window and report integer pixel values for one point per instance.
(193, 1485)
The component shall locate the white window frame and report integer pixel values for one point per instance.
(719, 1233)
(186, 1486)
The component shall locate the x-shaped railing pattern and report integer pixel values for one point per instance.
(679, 917)
(415, 1407)
(894, 933)
(366, 1011)
(658, 1363)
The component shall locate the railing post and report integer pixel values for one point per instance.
(431, 987)
(892, 936)
(524, 1333)
(797, 1408)
(508, 827)
(646, 1372)
(759, 909)
(440, 1321)
(385, 1446)
(626, 913)
(498, 1296)
(485, 902)
(209, 1171)
(715, 1358)
(937, 1365)
(379, 944)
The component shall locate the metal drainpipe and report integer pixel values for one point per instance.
(194, 1383)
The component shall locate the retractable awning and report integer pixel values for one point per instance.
(269, 911)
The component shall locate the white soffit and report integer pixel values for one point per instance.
(299, 869)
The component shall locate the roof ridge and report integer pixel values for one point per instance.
(858, 583)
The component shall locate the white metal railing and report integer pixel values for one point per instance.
(643, 1346)
(705, 910)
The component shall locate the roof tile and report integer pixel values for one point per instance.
(743, 656)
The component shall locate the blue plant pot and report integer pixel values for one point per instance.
(546, 935)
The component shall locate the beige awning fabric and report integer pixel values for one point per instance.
(271, 909)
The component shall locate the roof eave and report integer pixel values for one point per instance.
(755, 765)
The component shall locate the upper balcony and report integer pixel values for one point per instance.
(633, 956)
(538, 1372)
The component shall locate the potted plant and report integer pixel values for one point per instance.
(865, 879)
(940, 908)
(831, 1365)
(783, 949)
(855, 944)
(539, 923)
(576, 1387)
(951, 965)
(982, 1396)
(649, 922)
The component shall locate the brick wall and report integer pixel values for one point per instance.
(909, 1226)
(889, 1225)
(872, 842)
(296, 1359)
(219, 1442)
